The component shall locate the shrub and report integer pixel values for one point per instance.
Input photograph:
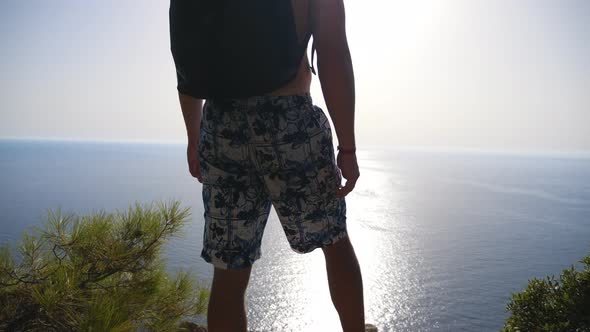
(100, 272)
(553, 305)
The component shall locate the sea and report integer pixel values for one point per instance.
(443, 237)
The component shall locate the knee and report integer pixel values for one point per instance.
(230, 283)
(340, 248)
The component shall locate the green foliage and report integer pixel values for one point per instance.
(100, 272)
(553, 305)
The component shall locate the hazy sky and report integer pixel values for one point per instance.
(494, 74)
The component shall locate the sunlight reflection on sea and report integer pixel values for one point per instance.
(442, 238)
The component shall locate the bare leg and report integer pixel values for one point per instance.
(346, 285)
(226, 312)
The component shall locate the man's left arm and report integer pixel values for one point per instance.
(192, 109)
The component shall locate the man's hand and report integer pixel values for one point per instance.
(194, 166)
(350, 171)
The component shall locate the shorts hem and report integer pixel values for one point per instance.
(211, 256)
(323, 244)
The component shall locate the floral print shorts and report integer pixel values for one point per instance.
(261, 151)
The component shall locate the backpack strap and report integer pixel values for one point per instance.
(312, 54)
(311, 33)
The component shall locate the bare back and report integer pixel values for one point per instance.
(301, 83)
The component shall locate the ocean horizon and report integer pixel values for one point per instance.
(443, 236)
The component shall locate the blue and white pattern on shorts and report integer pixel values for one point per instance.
(266, 150)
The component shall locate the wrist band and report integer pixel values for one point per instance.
(346, 150)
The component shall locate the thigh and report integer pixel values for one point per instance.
(236, 205)
(303, 187)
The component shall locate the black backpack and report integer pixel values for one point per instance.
(234, 48)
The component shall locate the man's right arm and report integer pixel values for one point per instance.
(335, 67)
(337, 81)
